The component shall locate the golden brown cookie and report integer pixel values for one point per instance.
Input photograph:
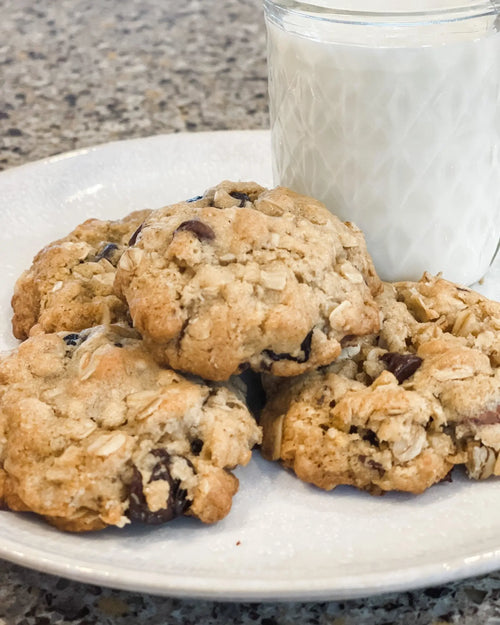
(248, 277)
(95, 433)
(69, 286)
(400, 408)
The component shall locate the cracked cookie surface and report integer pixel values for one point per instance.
(248, 277)
(400, 408)
(69, 285)
(95, 433)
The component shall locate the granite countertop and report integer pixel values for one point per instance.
(77, 73)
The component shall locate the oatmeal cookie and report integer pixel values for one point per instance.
(69, 285)
(95, 433)
(400, 408)
(246, 277)
(457, 310)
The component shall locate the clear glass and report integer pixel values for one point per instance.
(392, 119)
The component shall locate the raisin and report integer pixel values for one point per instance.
(198, 228)
(402, 366)
(243, 197)
(177, 502)
(488, 417)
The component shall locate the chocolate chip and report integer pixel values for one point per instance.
(402, 366)
(347, 340)
(177, 502)
(371, 437)
(74, 339)
(133, 238)
(243, 197)
(195, 198)
(373, 464)
(255, 395)
(196, 446)
(138, 508)
(276, 357)
(107, 252)
(71, 339)
(305, 348)
(198, 228)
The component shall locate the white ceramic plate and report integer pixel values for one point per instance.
(282, 540)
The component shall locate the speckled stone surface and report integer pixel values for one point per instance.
(76, 73)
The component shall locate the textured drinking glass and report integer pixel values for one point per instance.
(391, 117)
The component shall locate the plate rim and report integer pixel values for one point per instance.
(405, 579)
(238, 589)
(135, 141)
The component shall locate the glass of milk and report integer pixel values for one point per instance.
(389, 113)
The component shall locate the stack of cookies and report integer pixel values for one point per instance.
(129, 396)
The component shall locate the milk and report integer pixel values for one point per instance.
(399, 133)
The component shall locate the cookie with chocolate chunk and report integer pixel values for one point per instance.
(457, 310)
(400, 408)
(95, 433)
(467, 377)
(69, 285)
(246, 277)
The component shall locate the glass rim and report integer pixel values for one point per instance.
(315, 10)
